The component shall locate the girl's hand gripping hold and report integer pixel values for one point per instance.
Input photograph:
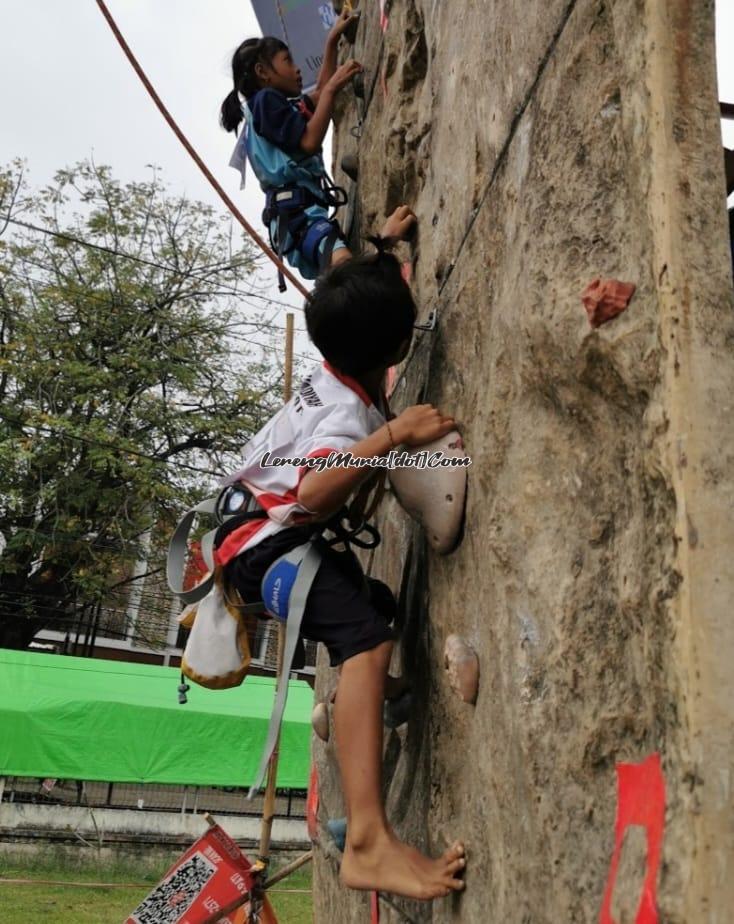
(342, 75)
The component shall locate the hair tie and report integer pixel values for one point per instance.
(383, 244)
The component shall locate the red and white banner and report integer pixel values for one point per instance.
(211, 875)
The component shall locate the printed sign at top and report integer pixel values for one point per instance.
(302, 24)
(328, 16)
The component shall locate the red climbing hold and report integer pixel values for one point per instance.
(604, 299)
(312, 806)
(383, 16)
(391, 380)
(640, 801)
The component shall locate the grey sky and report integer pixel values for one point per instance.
(68, 92)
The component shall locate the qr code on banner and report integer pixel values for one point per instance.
(175, 895)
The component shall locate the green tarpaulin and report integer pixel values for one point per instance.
(86, 719)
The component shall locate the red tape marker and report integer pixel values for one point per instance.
(375, 907)
(640, 801)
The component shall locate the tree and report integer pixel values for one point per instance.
(125, 382)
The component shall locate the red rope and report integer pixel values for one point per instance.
(189, 147)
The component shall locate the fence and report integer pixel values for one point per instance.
(149, 797)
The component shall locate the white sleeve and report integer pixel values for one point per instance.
(338, 428)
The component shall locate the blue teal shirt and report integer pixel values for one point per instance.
(275, 127)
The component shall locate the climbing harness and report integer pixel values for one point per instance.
(286, 212)
(285, 588)
(217, 651)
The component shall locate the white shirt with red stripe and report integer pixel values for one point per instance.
(330, 413)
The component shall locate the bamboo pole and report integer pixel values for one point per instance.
(269, 804)
(290, 868)
(288, 374)
(263, 860)
(243, 899)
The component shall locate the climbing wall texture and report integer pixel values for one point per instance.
(543, 145)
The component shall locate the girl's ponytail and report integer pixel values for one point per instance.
(230, 115)
(251, 52)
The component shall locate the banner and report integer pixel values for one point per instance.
(303, 25)
(212, 874)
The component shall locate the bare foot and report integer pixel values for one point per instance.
(389, 865)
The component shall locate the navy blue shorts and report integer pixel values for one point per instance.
(348, 612)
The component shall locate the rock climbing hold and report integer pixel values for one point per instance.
(435, 496)
(384, 22)
(312, 806)
(462, 665)
(358, 84)
(350, 33)
(320, 720)
(350, 165)
(337, 828)
(604, 299)
(396, 712)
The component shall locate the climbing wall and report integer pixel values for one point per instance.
(543, 146)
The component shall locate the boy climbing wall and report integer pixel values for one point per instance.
(360, 316)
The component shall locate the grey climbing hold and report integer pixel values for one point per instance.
(350, 33)
(435, 496)
(337, 828)
(396, 712)
(350, 165)
(462, 666)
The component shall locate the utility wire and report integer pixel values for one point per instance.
(82, 439)
(64, 236)
(225, 290)
(169, 323)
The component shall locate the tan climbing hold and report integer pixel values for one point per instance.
(462, 665)
(435, 496)
(320, 720)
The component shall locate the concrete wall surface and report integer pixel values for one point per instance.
(543, 145)
(99, 823)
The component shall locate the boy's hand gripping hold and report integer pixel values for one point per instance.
(400, 225)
